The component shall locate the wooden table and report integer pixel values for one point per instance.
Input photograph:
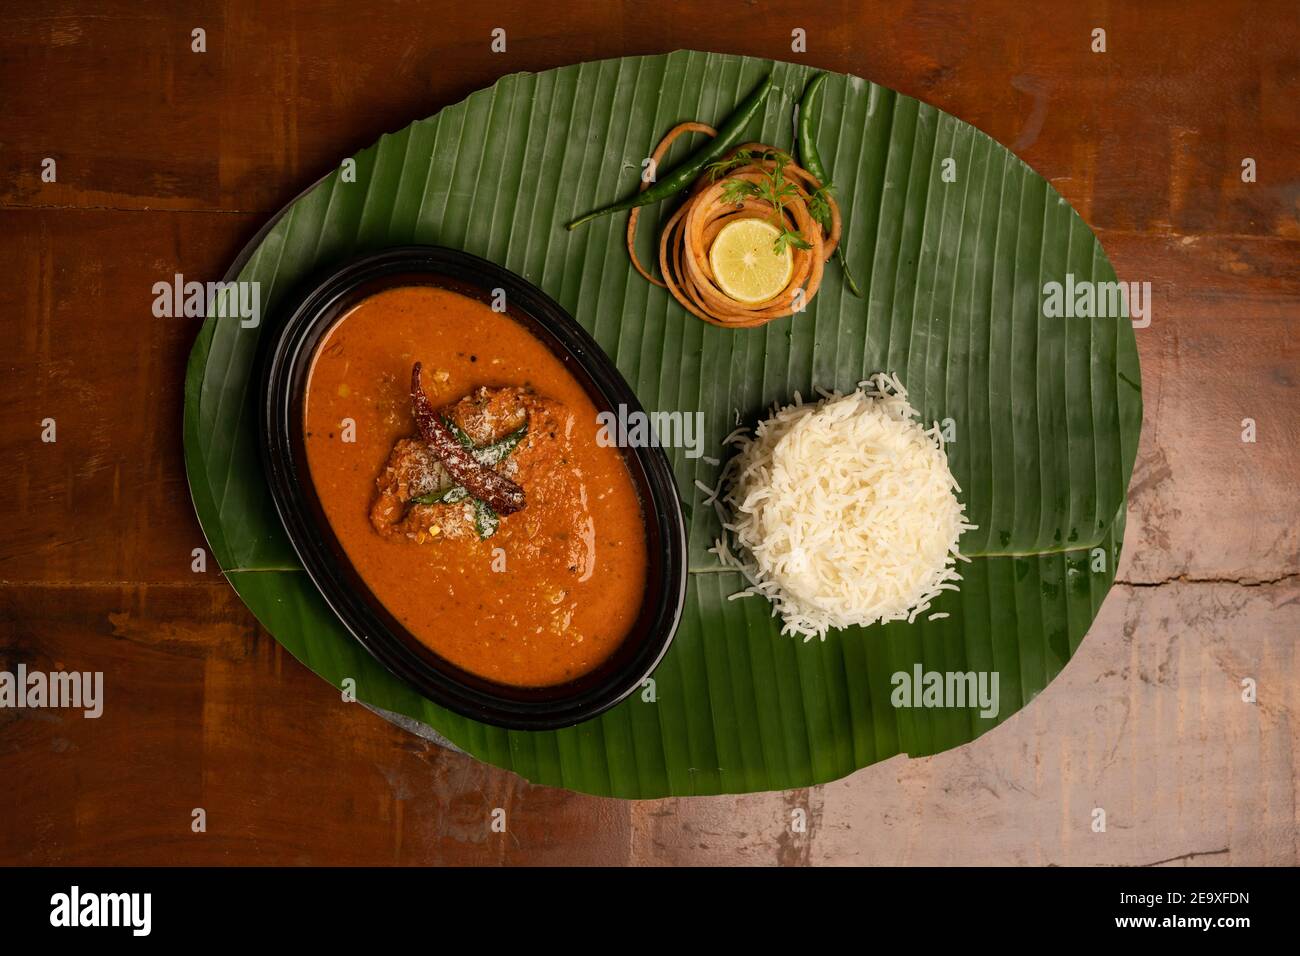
(168, 161)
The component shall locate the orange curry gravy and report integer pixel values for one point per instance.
(555, 589)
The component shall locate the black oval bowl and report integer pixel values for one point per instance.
(290, 346)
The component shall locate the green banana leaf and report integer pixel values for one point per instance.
(1045, 412)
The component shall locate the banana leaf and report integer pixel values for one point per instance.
(952, 258)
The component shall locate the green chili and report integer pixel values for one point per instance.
(812, 162)
(685, 174)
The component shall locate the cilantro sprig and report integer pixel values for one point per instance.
(772, 187)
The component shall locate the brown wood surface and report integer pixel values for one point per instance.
(168, 161)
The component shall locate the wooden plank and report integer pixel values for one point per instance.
(135, 119)
(1146, 722)
(203, 709)
(108, 501)
(168, 160)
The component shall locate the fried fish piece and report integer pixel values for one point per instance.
(476, 476)
(487, 416)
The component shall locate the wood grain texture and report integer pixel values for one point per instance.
(169, 160)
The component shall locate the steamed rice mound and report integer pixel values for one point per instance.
(843, 512)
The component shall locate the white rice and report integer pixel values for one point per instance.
(842, 512)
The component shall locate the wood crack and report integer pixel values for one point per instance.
(1242, 582)
(1187, 856)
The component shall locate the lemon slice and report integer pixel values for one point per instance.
(745, 262)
